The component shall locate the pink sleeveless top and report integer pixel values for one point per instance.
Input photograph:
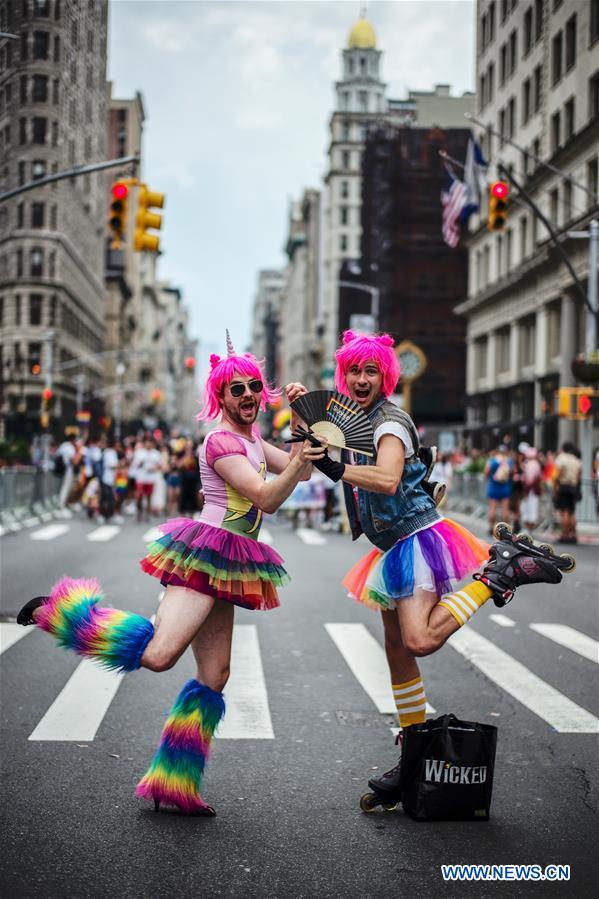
(225, 507)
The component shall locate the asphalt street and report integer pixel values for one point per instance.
(306, 731)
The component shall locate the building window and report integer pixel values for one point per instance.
(594, 97)
(345, 131)
(594, 22)
(567, 200)
(526, 88)
(527, 341)
(37, 215)
(502, 352)
(555, 131)
(41, 8)
(491, 22)
(503, 64)
(52, 270)
(55, 91)
(553, 331)
(17, 309)
(21, 215)
(480, 357)
(528, 31)
(344, 190)
(21, 173)
(22, 132)
(36, 265)
(343, 243)
(41, 43)
(513, 51)
(343, 215)
(40, 88)
(538, 20)
(592, 179)
(53, 217)
(570, 42)
(569, 119)
(56, 48)
(39, 130)
(53, 305)
(554, 207)
(23, 89)
(536, 152)
(363, 101)
(523, 237)
(537, 88)
(38, 169)
(511, 116)
(54, 134)
(24, 45)
(556, 58)
(491, 82)
(344, 159)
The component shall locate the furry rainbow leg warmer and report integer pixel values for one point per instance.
(175, 774)
(113, 638)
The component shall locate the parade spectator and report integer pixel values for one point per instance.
(190, 480)
(517, 483)
(64, 467)
(531, 488)
(146, 462)
(107, 476)
(567, 479)
(498, 471)
(173, 480)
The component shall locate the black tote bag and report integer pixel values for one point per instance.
(447, 770)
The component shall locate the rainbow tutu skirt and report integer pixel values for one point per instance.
(216, 562)
(434, 559)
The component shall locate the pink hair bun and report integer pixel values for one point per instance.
(385, 340)
(349, 335)
(214, 360)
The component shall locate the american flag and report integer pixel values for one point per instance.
(453, 200)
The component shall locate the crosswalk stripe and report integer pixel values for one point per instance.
(248, 714)
(266, 536)
(103, 533)
(78, 710)
(50, 532)
(502, 620)
(151, 535)
(570, 638)
(367, 661)
(11, 633)
(517, 680)
(310, 537)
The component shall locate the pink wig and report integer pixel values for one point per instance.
(357, 349)
(223, 372)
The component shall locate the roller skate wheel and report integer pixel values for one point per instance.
(525, 538)
(570, 562)
(547, 548)
(501, 530)
(391, 806)
(369, 802)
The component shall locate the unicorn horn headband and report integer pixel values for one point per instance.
(230, 347)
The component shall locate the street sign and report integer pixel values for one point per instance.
(363, 323)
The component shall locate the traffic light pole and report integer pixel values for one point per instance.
(71, 173)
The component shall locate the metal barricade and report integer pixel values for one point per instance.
(26, 492)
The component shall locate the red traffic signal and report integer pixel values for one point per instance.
(588, 403)
(190, 363)
(500, 190)
(36, 369)
(119, 190)
(47, 394)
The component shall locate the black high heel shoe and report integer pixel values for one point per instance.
(206, 812)
(25, 617)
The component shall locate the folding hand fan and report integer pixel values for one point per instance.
(337, 418)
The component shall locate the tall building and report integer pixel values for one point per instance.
(300, 337)
(361, 104)
(538, 86)
(419, 278)
(266, 316)
(52, 117)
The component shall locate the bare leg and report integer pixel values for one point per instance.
(211, 646)
(402, 664)
(180, 615)
(425, 625)
(505, 510)
(492, 513)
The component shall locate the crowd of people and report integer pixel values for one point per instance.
(147, 474)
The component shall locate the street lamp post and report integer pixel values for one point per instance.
(375, 295)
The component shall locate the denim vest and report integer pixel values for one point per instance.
(386, 519)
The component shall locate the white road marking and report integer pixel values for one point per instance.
(571, 639)
(368, 663)
(265, 536)
(78, 710)
(310, 537)
(151, 535)
(11, 633)
(50, 532)
(248, 715)
(103, 533)
(502, 620)
(513, 677)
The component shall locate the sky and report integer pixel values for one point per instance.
(238, 97)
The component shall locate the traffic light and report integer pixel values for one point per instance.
(145, 219)
(118, 213)
(498, 193)
(190, 364)
(47, 394)
(587, 404)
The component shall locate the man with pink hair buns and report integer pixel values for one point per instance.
(418, 555)
(207, 567)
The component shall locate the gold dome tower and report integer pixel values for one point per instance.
(362, 36)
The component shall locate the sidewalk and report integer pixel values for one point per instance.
(588, 534)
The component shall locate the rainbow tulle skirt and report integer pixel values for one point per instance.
(216, 562)
(434, 559)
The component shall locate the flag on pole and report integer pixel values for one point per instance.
(453, 199)
(475, 171)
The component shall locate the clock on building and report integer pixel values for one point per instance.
(411, 359)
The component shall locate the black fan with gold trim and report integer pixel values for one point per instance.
(336, 417)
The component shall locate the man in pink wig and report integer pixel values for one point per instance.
(207, 567)
(418, 556)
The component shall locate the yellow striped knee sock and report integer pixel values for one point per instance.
(410, 701)
(465, 602)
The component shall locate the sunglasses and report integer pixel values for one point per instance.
(256, 386)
